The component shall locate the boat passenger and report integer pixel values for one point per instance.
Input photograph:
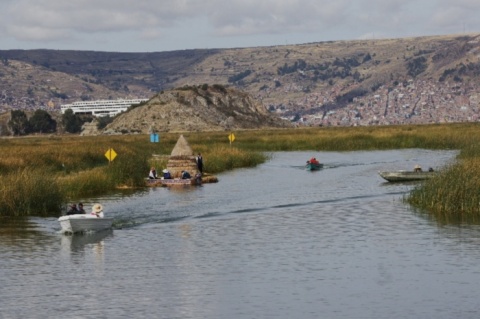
(73, 210)
(153, 173)
(186, 175)
(80, 209)
(166, 174)
(313, 160)
(417, 168)
(97, 210)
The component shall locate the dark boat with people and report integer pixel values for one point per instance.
(313, 165)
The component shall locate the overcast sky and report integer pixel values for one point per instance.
(161, 25)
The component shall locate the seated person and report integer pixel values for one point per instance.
(73, 210)
(166, 174)
(153, 173)
(313, 160)
(80, 209)
(97, 210)
(186, 175)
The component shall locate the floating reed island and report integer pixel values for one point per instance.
(182, 159)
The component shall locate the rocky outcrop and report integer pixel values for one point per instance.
(196, 108)
(90, 128)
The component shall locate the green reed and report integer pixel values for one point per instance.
(29, 192)
(38, 174)
(221, 158)
(453, 197)
(67, 168)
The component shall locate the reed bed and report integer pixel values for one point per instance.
(451, 136)
(454, 196)
(39, 174)
(29, 192)
(221, 158)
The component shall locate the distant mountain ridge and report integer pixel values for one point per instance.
(363, 82)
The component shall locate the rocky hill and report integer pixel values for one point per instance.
(195, 108)
(365, 82)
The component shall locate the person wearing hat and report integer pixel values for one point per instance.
(97, 210)
(166, 174)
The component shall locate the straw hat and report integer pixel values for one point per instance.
(165, 170)
(97, 208)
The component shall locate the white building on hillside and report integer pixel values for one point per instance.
(101, 107)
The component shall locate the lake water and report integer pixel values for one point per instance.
(274, 241)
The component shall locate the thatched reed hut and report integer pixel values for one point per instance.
(182, 159)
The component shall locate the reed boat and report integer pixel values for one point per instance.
(197, 180)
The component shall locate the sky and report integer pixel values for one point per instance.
(161, 25)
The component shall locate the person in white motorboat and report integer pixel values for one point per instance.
(73, 210)
(97, 210)
(80, 209)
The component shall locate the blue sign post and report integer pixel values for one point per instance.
(154, 138)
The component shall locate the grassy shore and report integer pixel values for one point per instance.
(40, 174)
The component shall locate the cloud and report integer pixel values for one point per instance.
(226, 17)
(222, 21)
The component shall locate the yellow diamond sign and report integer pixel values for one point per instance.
(110, 154)
(231, 137)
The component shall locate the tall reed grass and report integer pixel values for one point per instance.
(454, 196)
(221, 158)
(29, 192)
(39, 174)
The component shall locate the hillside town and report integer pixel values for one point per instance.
(342, 83)
(414, 102)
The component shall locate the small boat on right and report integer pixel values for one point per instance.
(407, 176)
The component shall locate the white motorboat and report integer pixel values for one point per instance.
(79, 223)
(406, 176)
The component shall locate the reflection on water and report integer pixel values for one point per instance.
(77, 242)
(77, 246)
(273, 241)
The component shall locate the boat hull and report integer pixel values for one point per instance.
(173, 182)
(313, 166)
(405, 176)
(84, 223)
